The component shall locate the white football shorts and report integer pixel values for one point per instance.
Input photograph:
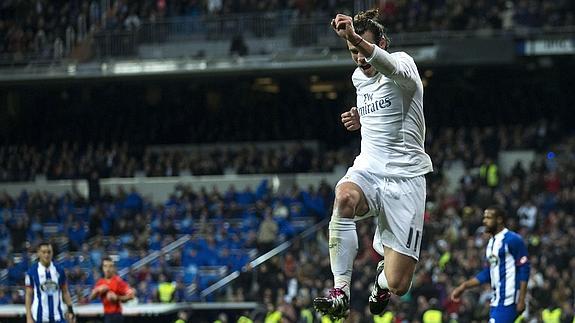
(399, 205)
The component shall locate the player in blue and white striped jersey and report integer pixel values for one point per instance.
(47, 290)
(507, 271)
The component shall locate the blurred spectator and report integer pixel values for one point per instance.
(238, 46)
(527, 214)
(489, 173)
(4, 298)
(182, 317)
(166, 290)
(267, 233)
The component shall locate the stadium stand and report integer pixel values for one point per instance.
(226, 224)
(53, 30)
(24, 163)
(103, 102)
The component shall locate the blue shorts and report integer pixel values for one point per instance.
(503, 314)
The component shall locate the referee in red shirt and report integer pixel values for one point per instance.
(112, 290)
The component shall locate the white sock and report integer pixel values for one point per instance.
(382, 280)
(343, 247)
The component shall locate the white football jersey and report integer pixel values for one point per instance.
(47, 283)
(390, 105)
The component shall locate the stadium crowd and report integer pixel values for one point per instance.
(227, 229)
(540, 206)
(24, 163)
(71, 161)
(540, 198)
(52, 29)
(224, 230)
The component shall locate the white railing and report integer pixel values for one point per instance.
(261, 259)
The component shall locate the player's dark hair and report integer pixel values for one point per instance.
(498, 212)
(368, 21)
(107, 258)
(44, 243)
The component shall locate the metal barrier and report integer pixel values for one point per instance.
(154, 255)
(261, 259)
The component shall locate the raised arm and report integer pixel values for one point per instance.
(399, 67)
(343, 27)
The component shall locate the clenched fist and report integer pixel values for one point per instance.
(350, 119)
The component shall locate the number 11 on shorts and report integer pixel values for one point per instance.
(410, 237)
